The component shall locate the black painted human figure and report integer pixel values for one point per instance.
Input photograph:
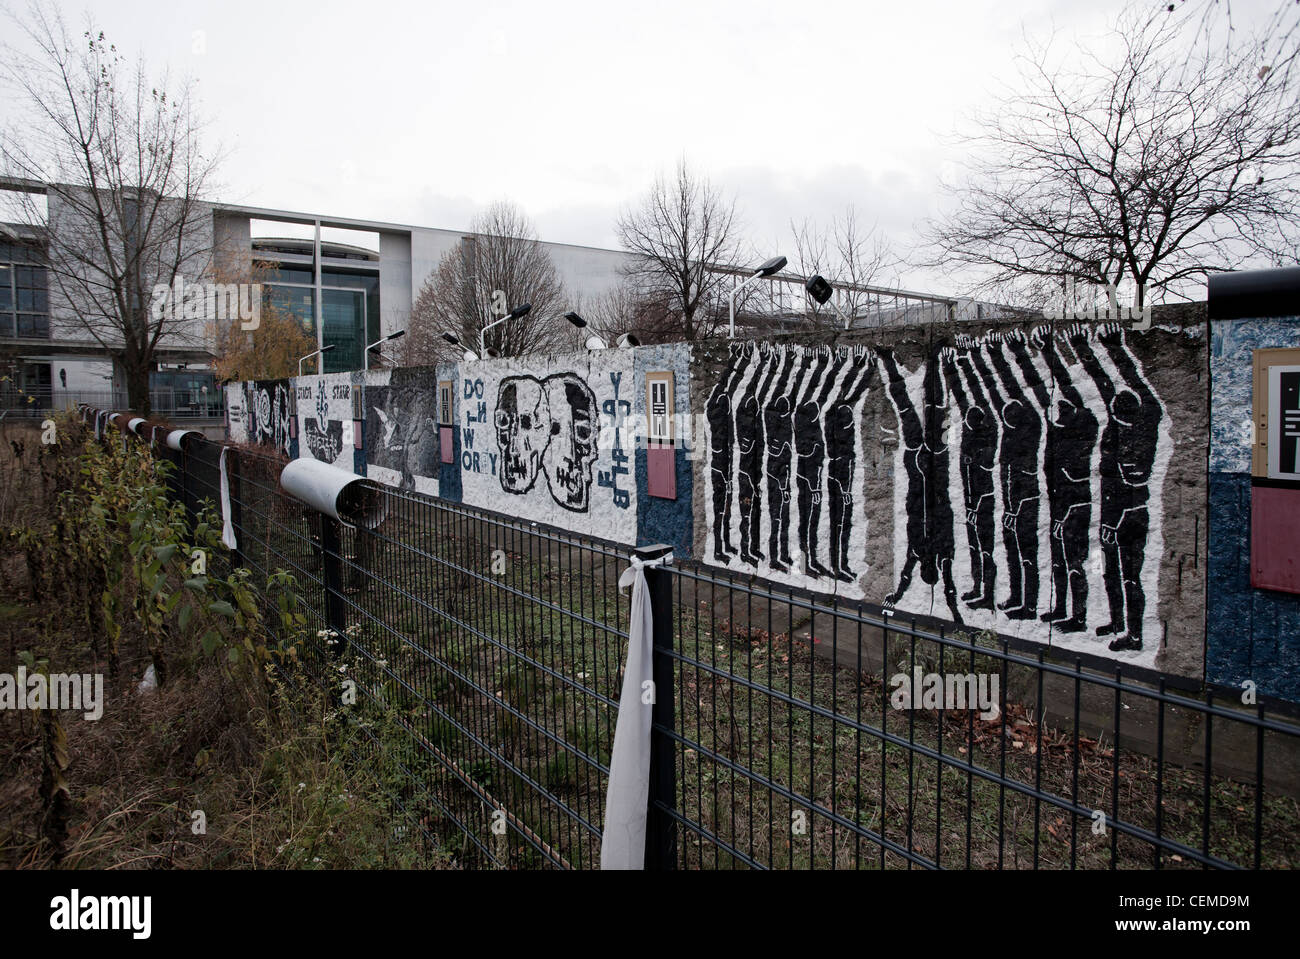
(925, 460)
(749, 440)
(810, 457)
(718, 410)
(841, 449)
(1022, 432)
(778, 423)
(1128, 453)
(1071, 438)
(979, 454)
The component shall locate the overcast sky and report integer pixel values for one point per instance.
(424, 112)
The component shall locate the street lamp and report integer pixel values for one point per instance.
(323, 349)
(518, 312)
(593, 342)
(379, 342)
(454, 340)
(820, 290)
(774, 265)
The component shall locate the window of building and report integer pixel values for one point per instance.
(24, 291)
(343, 313)
(194, 392)
(349, 309)
(38, 382)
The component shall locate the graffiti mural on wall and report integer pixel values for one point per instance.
(1026, 472)
(548, 426)
(325, 418)
(259, 413)
(783, 445)
(401, 428)
(554, 448)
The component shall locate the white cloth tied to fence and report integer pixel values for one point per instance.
(622, 844)
(227, 527)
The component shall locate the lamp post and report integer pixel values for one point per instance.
(379, 342)
(594, 341)
(518, 312)
(774, 265)
(454, 340)
(820, 290)
(323, 349)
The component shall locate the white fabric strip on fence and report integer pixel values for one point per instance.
(98, 428)
(227, 527)
(622, 844)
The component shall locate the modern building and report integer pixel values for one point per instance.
(351, 281)
(350, 294)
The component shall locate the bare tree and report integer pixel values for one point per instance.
(500, 265)
(850, 256)
(1174, 156)
(125, 177)
(682, 228)
(623, 308)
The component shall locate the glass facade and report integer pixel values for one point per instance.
(344, 315)
(297, 300)
(24, 291)
(349, 309)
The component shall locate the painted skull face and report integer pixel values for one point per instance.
(523, 427)
(572, 448)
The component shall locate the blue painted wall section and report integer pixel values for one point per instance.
(1251, 634)
(449, 473)
(667, 521)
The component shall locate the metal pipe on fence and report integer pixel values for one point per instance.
(177, 439)
(336, 493)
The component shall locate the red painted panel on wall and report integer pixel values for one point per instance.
(444, 443)
(356, 434)
(661, 462)
(1275, 538)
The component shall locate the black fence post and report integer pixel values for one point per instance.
(331, 551)
(187, 488)
(661, 827)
